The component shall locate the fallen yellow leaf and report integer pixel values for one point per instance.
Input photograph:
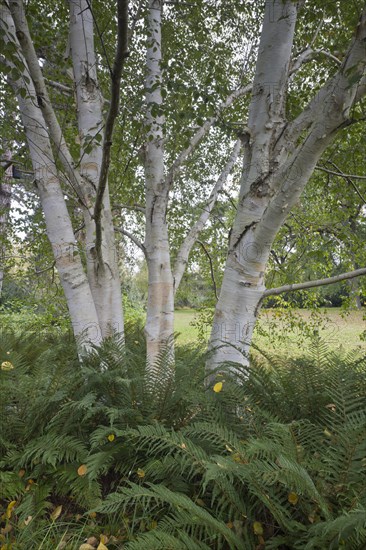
(102, 546)
(217, 387)
(258, 528)
(111, 437)
(140, 473)
(82, 470)
(9, 509)
(56, 513)
(293, 498)
(6, 365)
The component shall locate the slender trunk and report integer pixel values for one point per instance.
(159, 328)
(103, 276)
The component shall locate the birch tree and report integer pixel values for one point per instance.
(94, 296)
(280, 156)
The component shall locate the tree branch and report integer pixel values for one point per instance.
(116, 74)
(202, 131)
(193, 233)
(340, 174)
(207, 125)
(348, 177)
(313, 284)
(61, 87)
(132, 237)
(135, 207)
(211, 268)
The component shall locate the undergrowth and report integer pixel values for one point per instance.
(114, 453)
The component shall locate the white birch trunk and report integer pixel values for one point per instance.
(275, 173)
(58, 224)
(104, 278)
(159, 327)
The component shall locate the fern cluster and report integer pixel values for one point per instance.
(272, 459)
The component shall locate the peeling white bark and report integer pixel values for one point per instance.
(159, 327)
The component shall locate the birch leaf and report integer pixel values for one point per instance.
(56, 513)
(218, 387)
(258, 528)
(82, 470)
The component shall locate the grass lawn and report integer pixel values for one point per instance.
(274, 333)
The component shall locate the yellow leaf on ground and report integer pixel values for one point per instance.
(103, 539)
(258, 528)
(28, 520)
(6, 530)
(82, 470)
(111, 437)
(102, 546)
(217, 387)
(9, 509)
(21, 473)
(6, 365)
(293, 498)
(140, 473)
(56, 513)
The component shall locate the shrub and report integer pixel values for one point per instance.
(275, 457)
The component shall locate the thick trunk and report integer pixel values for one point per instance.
(235, 314)
(103, 276)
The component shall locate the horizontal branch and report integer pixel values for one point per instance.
(58, 86)
(315, 283)
(340, 174)
(136, 207)
(348, 177)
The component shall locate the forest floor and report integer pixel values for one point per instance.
(291, 332)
